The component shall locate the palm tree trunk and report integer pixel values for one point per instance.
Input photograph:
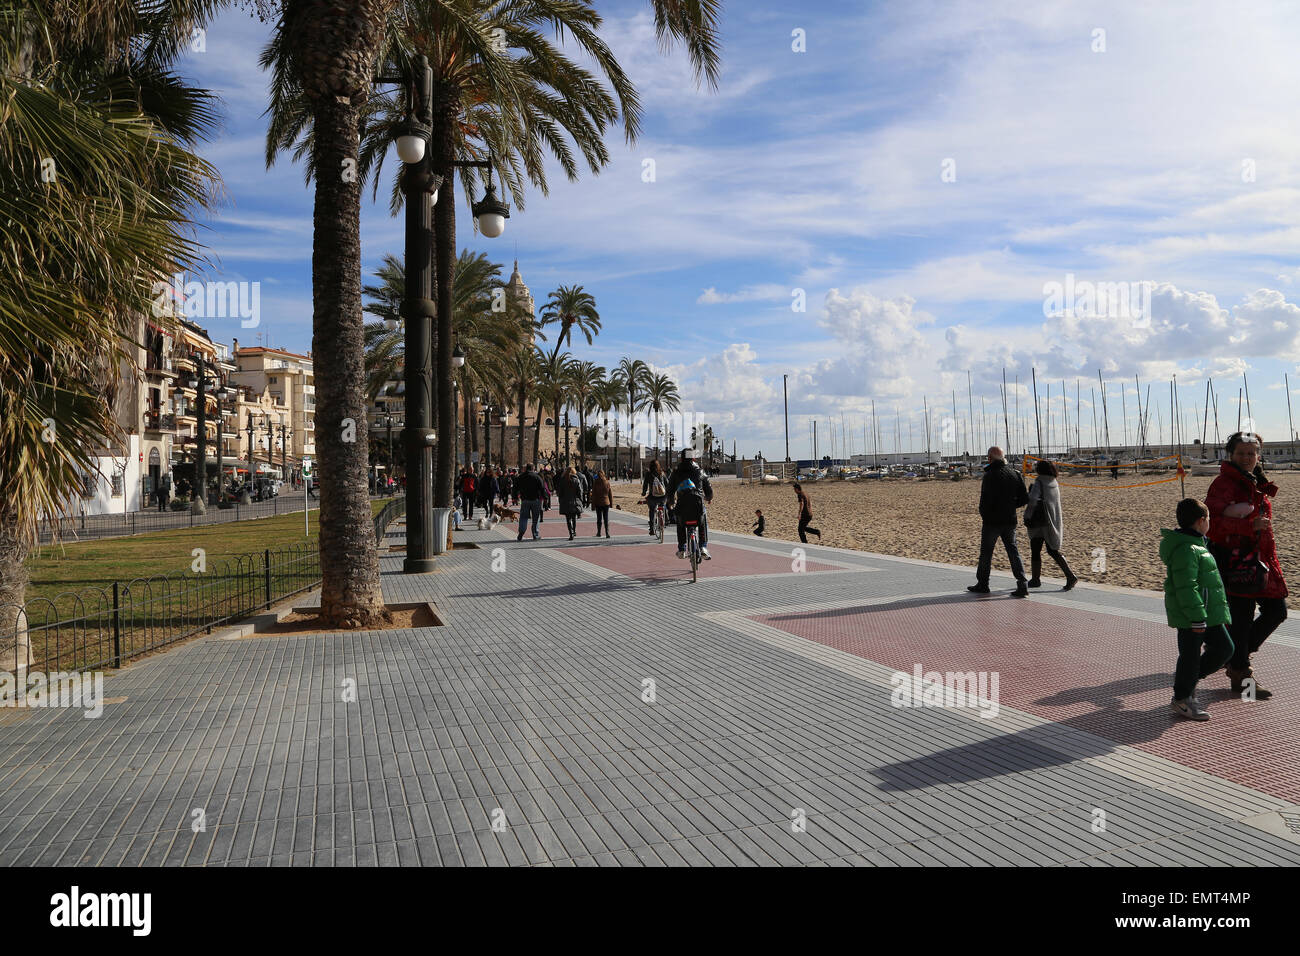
(351, 596)
(523, 408)
(537, 434)
(557, 429)
(15, 651)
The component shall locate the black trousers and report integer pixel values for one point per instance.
(1193, 664)
(1249, 632)
(804, 528)
(602, 518)
(1036, 558)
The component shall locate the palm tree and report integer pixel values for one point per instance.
(661, 396)
(325, 52)
(554, 389)
(570, 306)
(98, 188)
(634, 376)
(521, 372)
(515, 101)
(608, 395)
(587, 379)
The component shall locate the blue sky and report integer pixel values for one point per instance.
(921, 171)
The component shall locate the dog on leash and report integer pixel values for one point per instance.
(506, 514)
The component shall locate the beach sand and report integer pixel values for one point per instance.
(938, 520)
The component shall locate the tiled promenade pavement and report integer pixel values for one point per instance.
(771, 709)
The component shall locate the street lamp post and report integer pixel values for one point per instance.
(786, 394)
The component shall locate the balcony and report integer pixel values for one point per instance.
(309, 389)
(159, 365)
(159, 422)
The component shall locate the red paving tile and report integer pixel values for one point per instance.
(658, 562)
(554, 527)
(1097, 672)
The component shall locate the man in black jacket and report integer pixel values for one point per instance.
(1001, 494)
(531, 493)
(687, 468)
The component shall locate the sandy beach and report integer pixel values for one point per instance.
(938, 520)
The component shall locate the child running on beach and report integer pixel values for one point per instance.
(805, 515)
(1196, 604)
(760, 524)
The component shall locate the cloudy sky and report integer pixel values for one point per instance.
(915, 177)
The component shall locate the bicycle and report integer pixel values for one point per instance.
(659, 522)
(693, 547)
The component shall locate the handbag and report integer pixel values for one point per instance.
(1242, 570)
(1035, 518)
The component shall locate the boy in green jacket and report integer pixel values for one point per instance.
(1196, 604)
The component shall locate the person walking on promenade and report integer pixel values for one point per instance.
(654, 488)
(1044, 523)
(805, 515)
(1195, 604)
(1241, 528)
(569, 491)
(602, 497)
(467, 484)
(530, 501)
(1001, 493)
(487, 490)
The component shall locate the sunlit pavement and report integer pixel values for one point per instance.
(586, 703)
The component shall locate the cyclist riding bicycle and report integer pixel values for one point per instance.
(690, 486)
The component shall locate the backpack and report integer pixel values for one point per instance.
(657, 489)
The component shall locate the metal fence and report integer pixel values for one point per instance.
(93, 628)
(390, 513)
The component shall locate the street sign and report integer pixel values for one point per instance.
(306, 467)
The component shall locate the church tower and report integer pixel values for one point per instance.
(520, 297)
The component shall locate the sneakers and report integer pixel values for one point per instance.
(1189, 708)
(681, 555)
(978, 589)
(1021, 591)
(705, 553)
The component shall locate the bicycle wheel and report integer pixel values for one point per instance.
(695, 557)
(659, 524)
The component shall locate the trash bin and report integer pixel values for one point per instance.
(441, 524)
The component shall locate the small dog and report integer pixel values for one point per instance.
(506, 514)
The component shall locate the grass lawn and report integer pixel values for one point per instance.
(68, 567)
(70, 598)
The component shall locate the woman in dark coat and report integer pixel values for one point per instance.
(1242, 483)
(602, 496)
(569, 492)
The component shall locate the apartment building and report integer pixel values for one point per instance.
(283, 386)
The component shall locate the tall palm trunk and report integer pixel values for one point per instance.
(337, 44)
(523, 408)
(15, 651)
(557, 429)
(537, 434)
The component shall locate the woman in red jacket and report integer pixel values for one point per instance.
(1241, 482)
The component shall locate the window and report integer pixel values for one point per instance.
(274, 380)
(89, 484)
(117, 485)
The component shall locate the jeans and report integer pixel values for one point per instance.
(653, 504)
(989, 535)
(703, 527)
(571, 522)
(527, 507)
(1248, 631)
(467, 505)
(1192, 664)
(602, 517)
